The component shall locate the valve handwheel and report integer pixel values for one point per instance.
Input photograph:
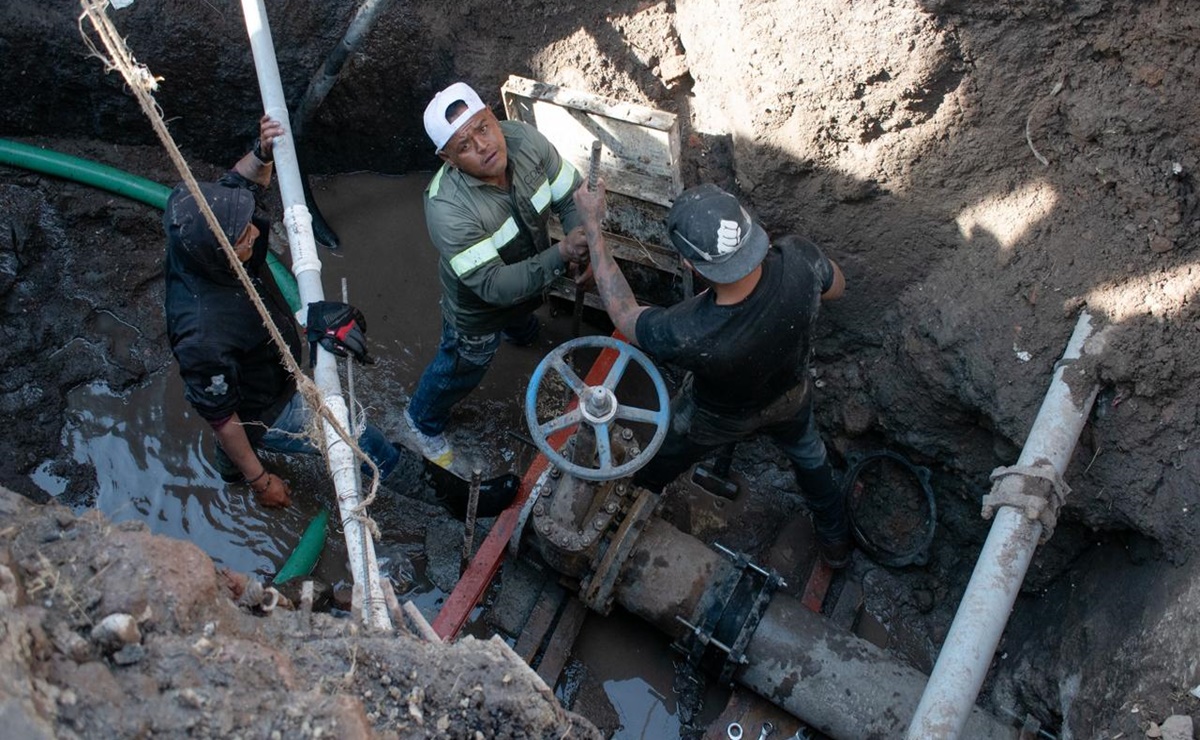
(597, 407)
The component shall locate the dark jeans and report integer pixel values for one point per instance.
(695, 432)
(288, 434)
(458, 367)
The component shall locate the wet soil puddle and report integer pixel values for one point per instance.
(152, 453)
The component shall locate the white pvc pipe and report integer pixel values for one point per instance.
(971, 643)
(360, 547)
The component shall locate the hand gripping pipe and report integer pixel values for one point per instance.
(967, 652)
(360, 547)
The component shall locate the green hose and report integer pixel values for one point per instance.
(308, 551)
(102, 176)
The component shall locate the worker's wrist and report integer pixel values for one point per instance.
(264, 478)
(259, 154)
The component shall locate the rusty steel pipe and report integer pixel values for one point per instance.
(830, 678)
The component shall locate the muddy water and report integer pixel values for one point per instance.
(151, 452)
(634, 667)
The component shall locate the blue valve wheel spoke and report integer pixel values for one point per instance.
(559, 363)
(603, 447)
(603, 427)
(632, 413)
(617, 371)
(571, 418)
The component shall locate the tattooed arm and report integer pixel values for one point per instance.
(614, 290)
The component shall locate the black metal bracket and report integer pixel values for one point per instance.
(717, 638)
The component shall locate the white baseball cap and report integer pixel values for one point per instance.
(436, 126)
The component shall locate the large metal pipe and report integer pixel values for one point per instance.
(983, 613)
(842, 685)
(360, 547)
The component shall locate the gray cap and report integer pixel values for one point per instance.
(710, 229)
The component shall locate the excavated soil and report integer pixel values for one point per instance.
(982, 172)
(202, 660)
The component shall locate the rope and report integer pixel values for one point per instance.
(142, 83)
(1037, 508)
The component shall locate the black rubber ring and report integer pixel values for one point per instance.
(919, 554)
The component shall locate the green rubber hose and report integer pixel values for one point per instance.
(87, 172)
(308, 550)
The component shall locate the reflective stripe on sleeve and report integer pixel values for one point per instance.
(484, 251)
(541, 197)
(562, 182)
(437, 181)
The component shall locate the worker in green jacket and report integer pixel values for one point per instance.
(487, 210)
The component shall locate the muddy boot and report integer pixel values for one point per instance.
(827, 502)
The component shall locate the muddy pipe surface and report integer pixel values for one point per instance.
(840, 684)
(845, 686)
(667, 574)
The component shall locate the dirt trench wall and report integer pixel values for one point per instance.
(980, 171)
(896, 135)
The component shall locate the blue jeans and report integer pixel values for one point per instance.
(287, 434)
(458, 367)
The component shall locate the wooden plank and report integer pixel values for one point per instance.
(847, 606)
(561, 641)
(565, 289)
(641, 145)
(539, 622)
(631, 112)
(624, 248)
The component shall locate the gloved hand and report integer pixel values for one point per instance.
(339, 328)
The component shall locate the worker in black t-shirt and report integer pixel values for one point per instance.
(746, 343)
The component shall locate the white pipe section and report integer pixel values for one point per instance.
(983, 613)
(360, 547)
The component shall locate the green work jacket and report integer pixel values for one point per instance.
(495, 256)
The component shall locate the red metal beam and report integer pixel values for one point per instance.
(817, 586)
(479, 574)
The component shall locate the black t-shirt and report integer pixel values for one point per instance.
(227, 360)
(746, 355)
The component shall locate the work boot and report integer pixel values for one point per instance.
(434, 447)
(229, 472)
(827, 502)
(835, 554)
